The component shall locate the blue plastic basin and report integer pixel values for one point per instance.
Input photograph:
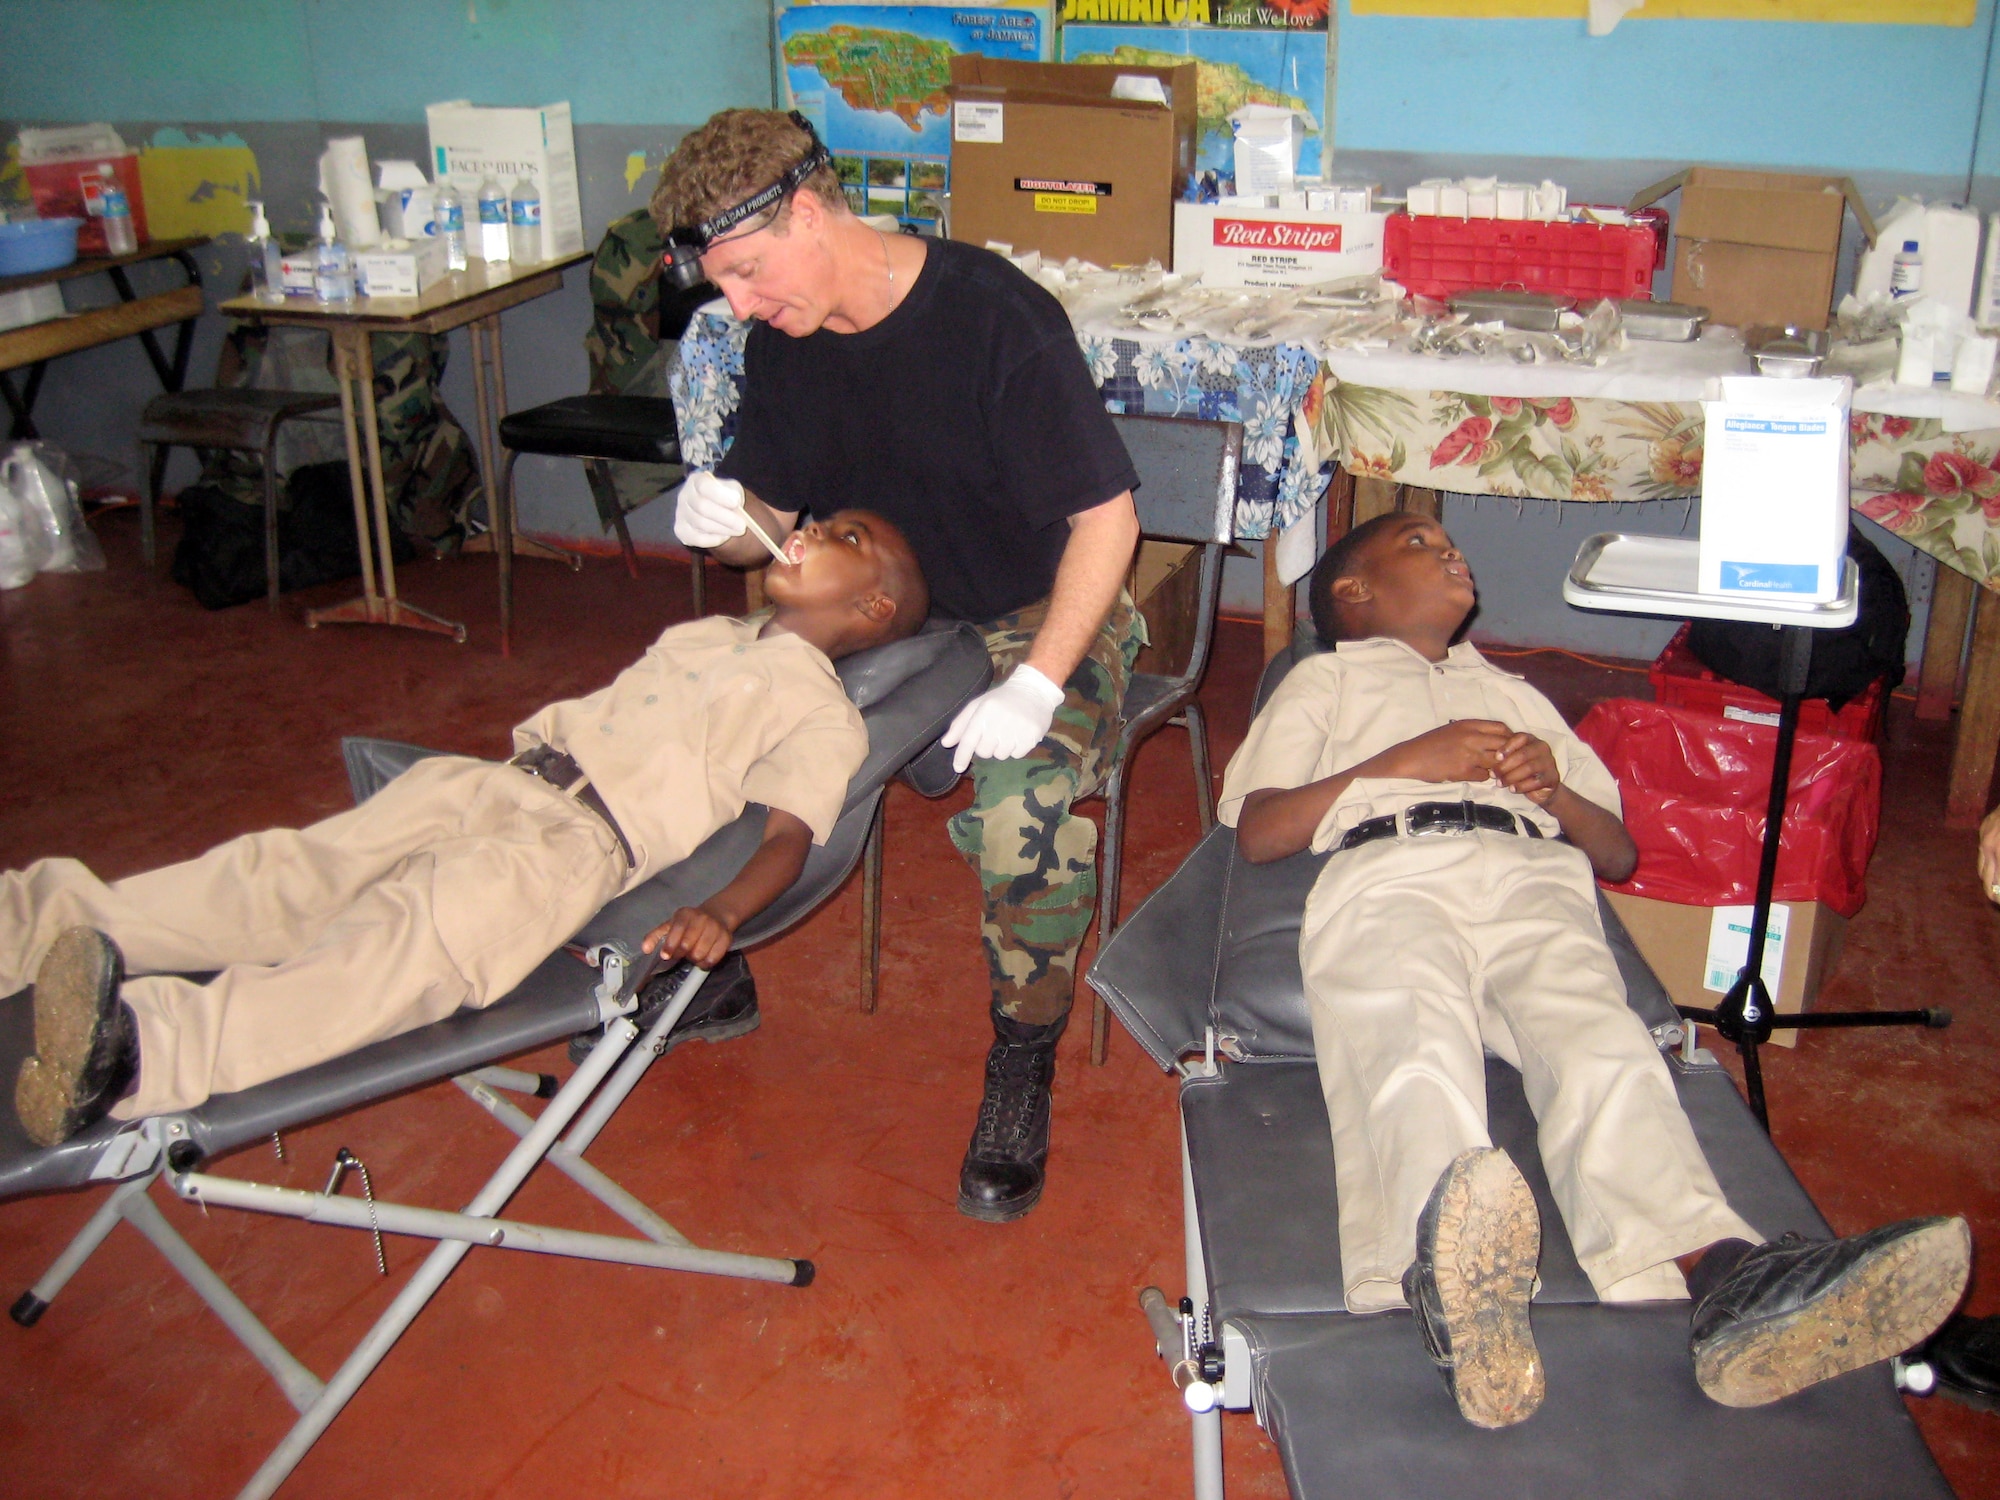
(37, 245)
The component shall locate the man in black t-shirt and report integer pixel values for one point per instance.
(940, 383)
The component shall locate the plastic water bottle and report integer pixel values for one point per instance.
(333, 272)
(448, 222)
(493, 226)
(119, 236)
(1906, 272)
(267, 261)
(524, 221)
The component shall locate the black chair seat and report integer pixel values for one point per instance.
(225, 417)
(633, 429)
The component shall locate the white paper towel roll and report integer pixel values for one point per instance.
(343, 177)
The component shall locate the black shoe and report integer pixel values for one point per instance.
(86, 1039)
(1478, 1242)
(1965, 1353)
(1793, 1312)
(724, 1006)
(1001, 1178)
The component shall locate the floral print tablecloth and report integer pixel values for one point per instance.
(1939, 491)
(1263, 387)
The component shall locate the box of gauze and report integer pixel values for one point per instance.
(1774, 488)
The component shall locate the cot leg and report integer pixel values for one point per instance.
(301, 1387)
(31, 1304)
(871, 911)
(1204, 786)
(1208, 1455)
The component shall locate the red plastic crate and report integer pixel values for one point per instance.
(1435, 256)
(1681, 681)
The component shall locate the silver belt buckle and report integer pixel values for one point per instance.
(1433, 830)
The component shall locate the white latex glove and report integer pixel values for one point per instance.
(709, 511)
(1006, 722)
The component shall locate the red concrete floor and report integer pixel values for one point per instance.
(934, 1355)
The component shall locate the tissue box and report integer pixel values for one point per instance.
(298, 270)
(469, 144)
(404, 268)
(1045, 156)
(1774, 489)
(1274, 247)
(1758, 247)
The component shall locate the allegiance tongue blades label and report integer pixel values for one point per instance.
(1060, 195)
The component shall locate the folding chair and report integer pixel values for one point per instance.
(907, 693)
(1206, 977)
(1187, 493)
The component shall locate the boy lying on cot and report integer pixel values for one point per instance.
(1458, 916)
(451, 884)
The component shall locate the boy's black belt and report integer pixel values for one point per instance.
(562, 772)
(1425, 818)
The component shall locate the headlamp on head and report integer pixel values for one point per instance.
(681, 263)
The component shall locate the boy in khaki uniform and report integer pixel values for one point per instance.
(1458, 916)
(449, 885)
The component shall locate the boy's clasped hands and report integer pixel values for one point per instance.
(1475, 750)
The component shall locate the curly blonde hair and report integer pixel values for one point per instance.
(738, 152)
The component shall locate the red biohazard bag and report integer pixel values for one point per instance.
(1696, 785)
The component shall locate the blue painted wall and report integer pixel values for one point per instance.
(1856, 98)
(366, 61)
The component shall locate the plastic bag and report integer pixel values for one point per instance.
(1695, 787)
(43, 482)
(23, 546)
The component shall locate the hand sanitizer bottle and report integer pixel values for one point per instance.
(267, 261)
(492, 221)
(448, 222)
(524, 221)
(333, 272)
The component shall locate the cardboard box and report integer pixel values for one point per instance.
(401, 268)
(1274, 246)
(469, 144)
(1774, 488)
(1758, 247)
(1675, 941)
(1045, 156)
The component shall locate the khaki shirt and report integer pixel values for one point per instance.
(710, 718)
(1337, 709)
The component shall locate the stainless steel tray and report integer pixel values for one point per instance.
(1662, 322)
(1532, 312)
(1656, 575)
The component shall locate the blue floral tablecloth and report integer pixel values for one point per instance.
(1261, 386)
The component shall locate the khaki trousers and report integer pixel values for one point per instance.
(1421, 954)
(443, 890)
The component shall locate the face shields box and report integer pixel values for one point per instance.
(1070, 159)
(470, 144)
(1758, 247)
(1273, 247)
(1774, 489)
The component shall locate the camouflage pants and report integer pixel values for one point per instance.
(1036, 859)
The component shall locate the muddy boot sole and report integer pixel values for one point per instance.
(1488, 1242)
(62, 1087)
(1889, 1301)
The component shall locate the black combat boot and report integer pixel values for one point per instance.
(1002, 1175)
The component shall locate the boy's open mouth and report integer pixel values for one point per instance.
(795, 548)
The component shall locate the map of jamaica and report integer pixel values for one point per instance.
(1220, 87)
(891, 72)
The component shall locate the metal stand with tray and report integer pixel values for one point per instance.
(1653, 575)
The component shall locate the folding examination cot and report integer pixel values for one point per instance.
(1206, 977)
(908, 693)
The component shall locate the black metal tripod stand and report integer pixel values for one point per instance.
(1745, 1015)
